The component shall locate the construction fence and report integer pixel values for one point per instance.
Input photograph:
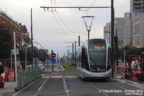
(27, 76)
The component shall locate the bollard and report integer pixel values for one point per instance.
(122, 73)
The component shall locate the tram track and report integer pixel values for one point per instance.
(97, 89)
(65, 87)
(42, 85)
(40, 88)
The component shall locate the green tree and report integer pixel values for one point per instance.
(25, 35)
(42, 55)
(6, 42)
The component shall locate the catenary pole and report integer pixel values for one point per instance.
(32, 37)
(15, 58)
(112, 35)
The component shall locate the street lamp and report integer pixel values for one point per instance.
(88, 23)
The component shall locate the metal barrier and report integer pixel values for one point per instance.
(27, 76)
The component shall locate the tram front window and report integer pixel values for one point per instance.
(97, 58)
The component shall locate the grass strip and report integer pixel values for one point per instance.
(68, 68)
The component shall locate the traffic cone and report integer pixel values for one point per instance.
(6, 77)
(122, 73)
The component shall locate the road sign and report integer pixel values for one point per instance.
(53, 60)
(53, 55)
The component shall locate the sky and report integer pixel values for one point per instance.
(56, 29)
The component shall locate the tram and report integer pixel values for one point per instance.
(94, 59)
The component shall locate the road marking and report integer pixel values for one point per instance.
(41, 87)
(37, 93)
(25, 88)
(97, 89)
(65, 87)
(60, 77)
(71, 77)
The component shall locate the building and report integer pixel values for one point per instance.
(137, 6)
(5, 20)
(127, 29)
(123, 29)
(119, 27)
(137, 15)
(107, 31)
(130, 29)
(138, 29)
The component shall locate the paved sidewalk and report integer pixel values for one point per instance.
(8, 89)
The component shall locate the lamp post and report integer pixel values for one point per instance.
(88, 26)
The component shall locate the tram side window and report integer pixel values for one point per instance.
(84, 59)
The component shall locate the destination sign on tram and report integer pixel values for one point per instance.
(99, 47)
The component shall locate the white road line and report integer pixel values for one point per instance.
(41, 87)
(24, 88)
(65, 87)
(37, 93)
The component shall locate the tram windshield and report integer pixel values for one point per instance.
(97, 55)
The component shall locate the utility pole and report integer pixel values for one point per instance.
(112, 35)
(67, 56)
(79, 41)
(32, 37)
(116, 45)
(25, 57)
(75, 53)
(15, 57)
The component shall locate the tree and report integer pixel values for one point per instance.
(42, 55)
(6, 42)
(25, 35)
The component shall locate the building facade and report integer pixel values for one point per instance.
(130, 29)
(137, 14)
(6, 21)
(123, 30)
(127, 29)
(137, 6)
(119, 28)
(138, 29)
(107, 31)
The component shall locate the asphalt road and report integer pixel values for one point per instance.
(71, 85)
